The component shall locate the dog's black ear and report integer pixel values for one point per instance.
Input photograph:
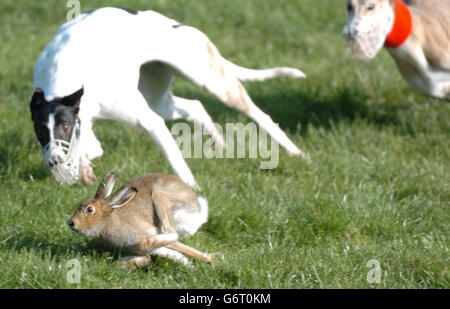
(37, 101)
(38, 98)
(73, 100)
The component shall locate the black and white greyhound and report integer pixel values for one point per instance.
(119, 64)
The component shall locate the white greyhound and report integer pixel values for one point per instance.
(416, 34)
(119, 64)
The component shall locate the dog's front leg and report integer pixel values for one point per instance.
(157, 128)
(86, 169)
(135, 111)
(90, 148)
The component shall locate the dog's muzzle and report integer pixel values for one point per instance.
(363, 48)
(364, 39)
(63, 158)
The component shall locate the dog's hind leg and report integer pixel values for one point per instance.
(154, 84)
(231, 92)
(199, 61)
(224, 84)
(174, 107)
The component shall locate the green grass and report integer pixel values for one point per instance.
(377, 186)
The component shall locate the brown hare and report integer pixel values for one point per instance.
(145, 217)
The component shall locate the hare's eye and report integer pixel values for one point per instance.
(90, 210)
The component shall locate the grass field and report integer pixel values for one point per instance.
(377, 186)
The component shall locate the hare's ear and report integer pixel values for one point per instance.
(122, 197)
(106, 186)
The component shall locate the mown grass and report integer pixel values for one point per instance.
(377, 186)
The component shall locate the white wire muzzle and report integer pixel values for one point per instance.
(369, 41)
(62, 157)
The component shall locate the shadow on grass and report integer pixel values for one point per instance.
(9, 152)
(32, 242)
(14, 156)
(29, 240)
(297, 111)
(37, 171)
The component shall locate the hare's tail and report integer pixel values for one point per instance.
(188, 222)
(203, 216)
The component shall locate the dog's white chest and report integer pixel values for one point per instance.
(419, 73)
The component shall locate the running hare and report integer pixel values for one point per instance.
(145, 217)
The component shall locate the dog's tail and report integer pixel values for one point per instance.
(245, 74)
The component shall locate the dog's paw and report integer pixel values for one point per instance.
(87, 175)
(296, 153)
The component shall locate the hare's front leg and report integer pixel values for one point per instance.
(156, 241)
(135, 262)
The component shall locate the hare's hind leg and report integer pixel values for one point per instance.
(178, 246)
(156, 241)
(194, 213)
(167, 233)
(171, 254)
